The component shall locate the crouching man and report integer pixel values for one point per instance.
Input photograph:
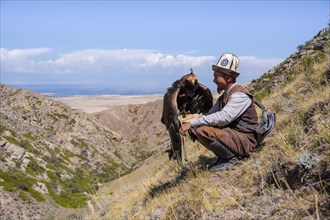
(219, 130)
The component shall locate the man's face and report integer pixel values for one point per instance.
(221, 80)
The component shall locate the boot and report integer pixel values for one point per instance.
(225, 160)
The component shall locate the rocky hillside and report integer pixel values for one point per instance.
(310, 53)
(140, 125)
(288, 176)
(51, 152)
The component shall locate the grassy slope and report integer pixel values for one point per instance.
(288, 176)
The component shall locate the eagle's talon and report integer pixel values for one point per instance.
(170, 154)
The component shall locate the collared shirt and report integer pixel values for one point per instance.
(237, 104)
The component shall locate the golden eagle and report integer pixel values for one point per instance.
(186, 95)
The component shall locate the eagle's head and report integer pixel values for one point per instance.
(190, 79)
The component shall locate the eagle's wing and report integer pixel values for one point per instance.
(200, 102)
(170, 119)
(185, 96)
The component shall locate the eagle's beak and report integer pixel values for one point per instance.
(193, 81)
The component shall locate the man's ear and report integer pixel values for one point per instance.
(229, 79)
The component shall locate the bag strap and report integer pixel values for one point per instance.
(246, 125)
(260, 105)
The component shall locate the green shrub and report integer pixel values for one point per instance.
(17, 181)
(2, 129)
(29, 136)
(72, 193)
(300, 46)
(68, 200)
(262, 94)
(79, 143)
(34, 168)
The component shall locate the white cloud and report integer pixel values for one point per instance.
(95, 61)
(139, 68)
(252, 67)
(20, 60)
(23, 53)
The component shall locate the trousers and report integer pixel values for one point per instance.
(238, 143)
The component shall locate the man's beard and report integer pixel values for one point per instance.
(219, 90)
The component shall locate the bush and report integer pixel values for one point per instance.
(17, 181)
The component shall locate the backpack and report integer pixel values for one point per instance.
(266, 124)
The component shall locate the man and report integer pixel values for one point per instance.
(219, 130)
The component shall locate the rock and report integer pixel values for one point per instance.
(40, 187)
(16, 152)
(317, 113)
(304, 89)
(3, 143)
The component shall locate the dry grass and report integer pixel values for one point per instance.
(285, 178)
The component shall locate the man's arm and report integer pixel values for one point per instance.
(185, 126)
(235, 107)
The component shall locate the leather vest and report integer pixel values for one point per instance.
(249, 116)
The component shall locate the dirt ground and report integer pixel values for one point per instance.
(97, 103)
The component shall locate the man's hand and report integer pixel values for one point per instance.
(184, 127)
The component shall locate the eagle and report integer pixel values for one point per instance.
(185, 96)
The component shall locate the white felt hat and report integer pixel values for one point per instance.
(228, 64)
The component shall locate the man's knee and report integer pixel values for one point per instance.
(199, 131)
(204, 135)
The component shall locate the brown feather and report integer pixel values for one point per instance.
(185, 95)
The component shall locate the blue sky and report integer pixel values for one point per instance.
(146, 45)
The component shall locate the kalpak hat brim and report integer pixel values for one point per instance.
(225, 71)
